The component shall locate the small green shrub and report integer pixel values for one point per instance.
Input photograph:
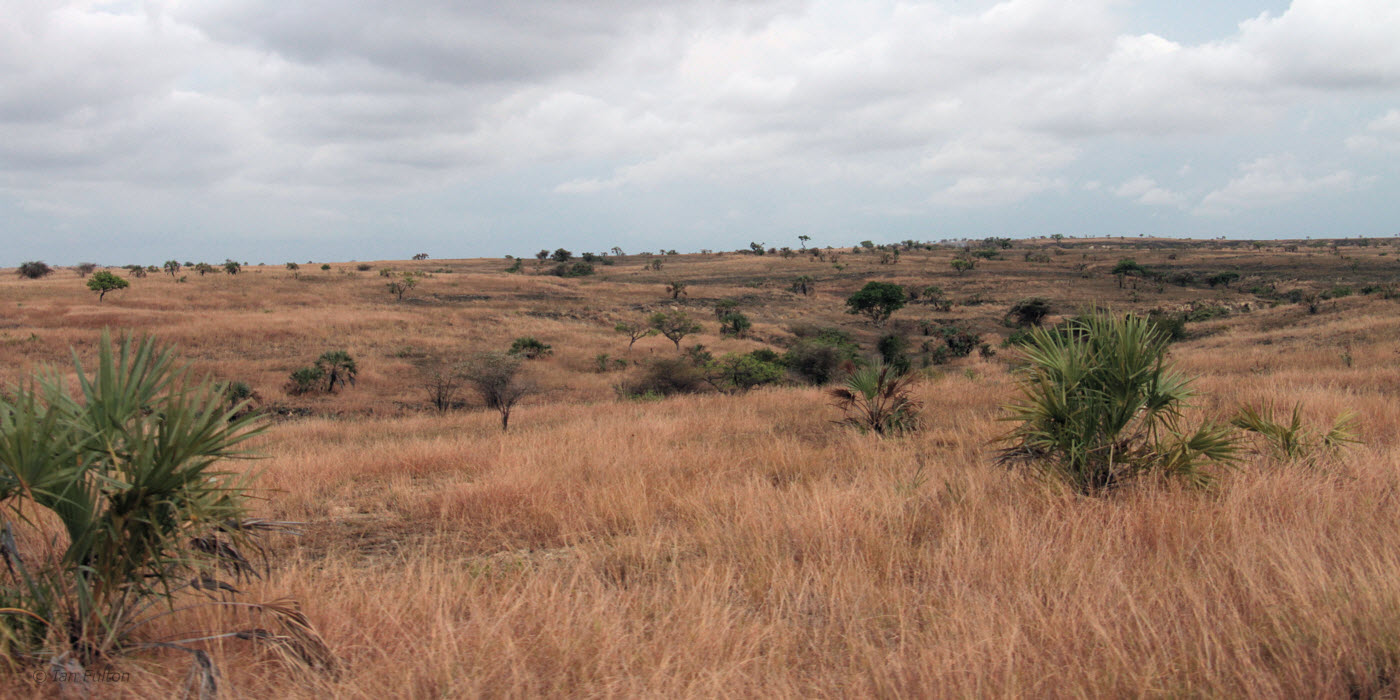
(665, 376)
(1295, 441)
(530, 348)
(305, 381)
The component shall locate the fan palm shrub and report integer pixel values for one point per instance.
(1099, 406)
(1295, 441)
(876, 398)
(114, 506)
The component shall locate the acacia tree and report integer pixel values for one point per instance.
(675, 325)
(172, 267)
(83, 269)
(876, 301)
(962, 265)
(104, 281)
(400, 285)
(634, 332)
(496, 376)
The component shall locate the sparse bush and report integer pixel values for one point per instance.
(137, 271)
(578, 269)
(561, 256)
(961, 265)
(724, 307)
(530, 348)
(442, 382)
(665, 376)
(1099, 407)
(420, 256)
(232, 267)
(735, 324)
(83, 269)
(304, 381)
(892, 349)
(293, 266)
(34, 269)
(820, 354)
(364, 267)
(496, 377)
(1028, 312)
(675, 288)
(1222, 278)
(876, 398)
(735, 372)
(804, 285)
(203, 268)
(172, 267)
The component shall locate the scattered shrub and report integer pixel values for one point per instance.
(34, 269)
(735, 324)
(364, 267)
(1028, 312)
(665, 376)
(735, 372)
(530, 348)
(83, 269)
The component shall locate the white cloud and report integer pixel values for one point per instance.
(1382, 134)
(1145, 190)
(316, 104)
(1269, 181)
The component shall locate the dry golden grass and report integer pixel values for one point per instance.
(716, 545)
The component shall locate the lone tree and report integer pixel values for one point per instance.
(496, 377)
(104, 281)
(337, 367)
(561, 256)
(675, 325)
(172, 267)
(34, 270)
(232, 267)
(804, 238)
(877, 301)
(962, 265)
(400, 285)
(804, 285)
(1128, 266)
(634, 332)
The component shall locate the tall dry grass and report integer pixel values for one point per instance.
(745, 545)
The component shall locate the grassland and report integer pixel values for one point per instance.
(744, 545)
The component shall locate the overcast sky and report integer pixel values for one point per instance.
(269, 130)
